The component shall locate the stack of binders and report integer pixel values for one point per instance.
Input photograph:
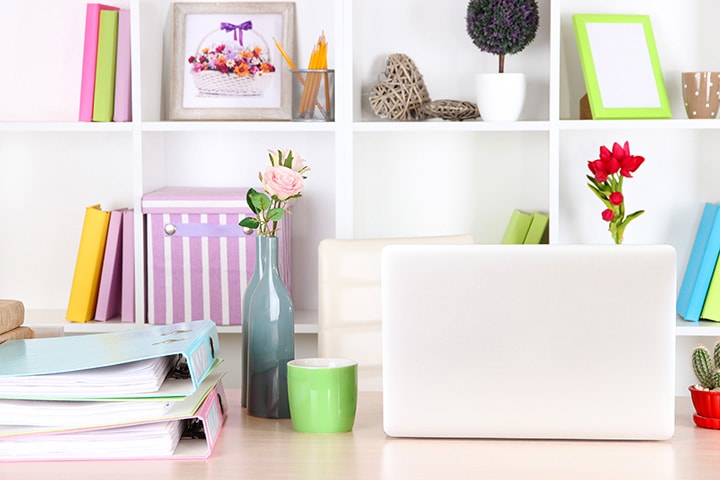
(152, 392)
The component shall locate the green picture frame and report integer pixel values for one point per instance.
(621, 66)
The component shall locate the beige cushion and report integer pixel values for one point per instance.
(349, 303)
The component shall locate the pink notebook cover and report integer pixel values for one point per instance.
(127, 307)
(123, 97)
(108, 303)
(87, 82)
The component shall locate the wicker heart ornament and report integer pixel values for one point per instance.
(402, 94)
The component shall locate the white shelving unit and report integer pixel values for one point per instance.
(369, 178)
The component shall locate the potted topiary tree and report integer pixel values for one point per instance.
(501, 27)
(706, 395)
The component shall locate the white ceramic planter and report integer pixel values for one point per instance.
(500, 96)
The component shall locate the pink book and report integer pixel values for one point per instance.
(87, 82)
(108, 303)
(123, 97)
(127, 307)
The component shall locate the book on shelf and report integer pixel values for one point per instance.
(104, 95)
(164, 361)
(517, 227)
(88, 266)
(537, 231)
(122, 111)
(701, 264)
(127, 302)
(188, 429)
(711, 305)
(12, 314)
(109, 289)
(87, 81)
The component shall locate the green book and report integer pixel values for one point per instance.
(711, 307)
(517, 228)
(104, 99)
(538, 228)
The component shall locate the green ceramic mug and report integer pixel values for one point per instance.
(323, 394)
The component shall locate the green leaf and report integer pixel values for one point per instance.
(259, 201)
(249, 222)
(288, 160)
(601, 196)
(248, 199)
(275, 214)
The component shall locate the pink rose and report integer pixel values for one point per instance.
(282, 182)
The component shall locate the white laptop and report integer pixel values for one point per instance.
(529, 341)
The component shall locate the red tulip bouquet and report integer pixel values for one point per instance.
(606, 182)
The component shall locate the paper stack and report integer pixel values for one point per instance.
(12, 316)
(152, 392)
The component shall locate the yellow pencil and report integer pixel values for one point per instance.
(291, 64)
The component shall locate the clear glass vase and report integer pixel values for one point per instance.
(270, 336)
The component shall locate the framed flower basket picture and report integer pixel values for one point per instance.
(621, 66)
(226, 64)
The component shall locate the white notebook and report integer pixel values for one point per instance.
(529, 341)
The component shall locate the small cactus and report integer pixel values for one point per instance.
(706, 367)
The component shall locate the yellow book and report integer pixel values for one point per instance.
(86, 280)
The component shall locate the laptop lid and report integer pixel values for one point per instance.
(529, 341)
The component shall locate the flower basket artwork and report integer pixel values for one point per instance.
(606, 182)
(233, 67)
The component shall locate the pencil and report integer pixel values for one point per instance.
(291, 64)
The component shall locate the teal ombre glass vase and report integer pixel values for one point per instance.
(247, 294)
(270, 336)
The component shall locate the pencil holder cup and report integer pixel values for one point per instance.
(313, 95)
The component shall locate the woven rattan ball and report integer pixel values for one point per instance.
(402, 94)
(452, 110)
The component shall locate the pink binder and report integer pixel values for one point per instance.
(200, 433)
(87, 83)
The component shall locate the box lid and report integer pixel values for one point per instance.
(196, 200)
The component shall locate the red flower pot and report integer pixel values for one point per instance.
(707, 406)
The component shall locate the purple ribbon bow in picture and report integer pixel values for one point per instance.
(236, 29)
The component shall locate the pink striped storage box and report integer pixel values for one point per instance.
(199, 260)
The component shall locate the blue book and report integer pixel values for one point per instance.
(163, 361)
(701, 264)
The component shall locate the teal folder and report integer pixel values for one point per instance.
(103, 366)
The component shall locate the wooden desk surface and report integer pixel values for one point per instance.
(253, 448)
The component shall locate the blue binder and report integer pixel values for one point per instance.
(191, 347)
